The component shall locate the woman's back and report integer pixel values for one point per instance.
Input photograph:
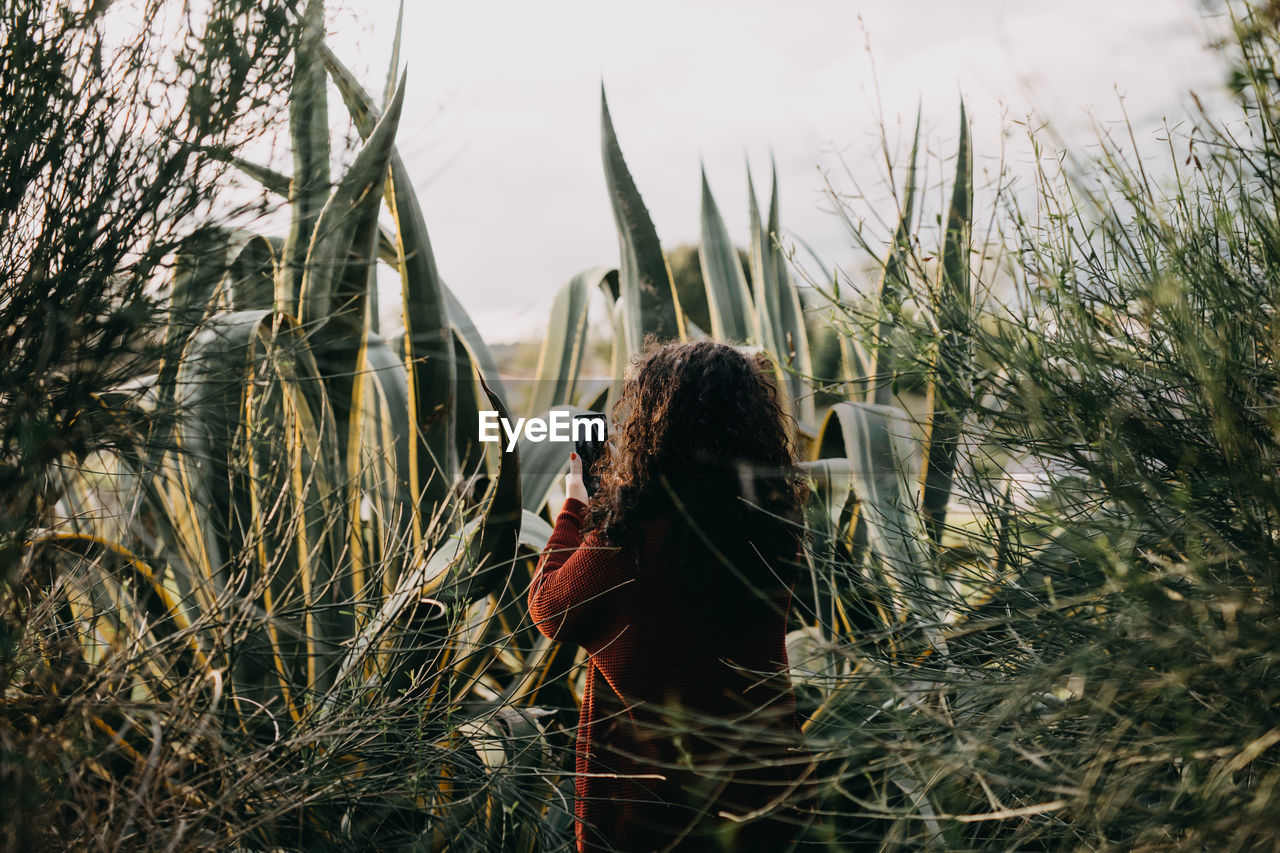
(686, 714)
(679, 593)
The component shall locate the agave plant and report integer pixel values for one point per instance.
(901, 515)
(642, 301)
(308, 532)
(315, 532)
(878, 564)
(889, 581)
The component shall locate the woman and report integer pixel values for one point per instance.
(676, 578)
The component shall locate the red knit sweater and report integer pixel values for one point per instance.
(686, 719)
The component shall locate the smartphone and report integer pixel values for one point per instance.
(589, 434)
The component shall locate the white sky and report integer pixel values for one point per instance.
(501, 122)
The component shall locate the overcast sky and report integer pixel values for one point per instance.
(501, 123)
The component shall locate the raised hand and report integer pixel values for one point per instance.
(573, 485)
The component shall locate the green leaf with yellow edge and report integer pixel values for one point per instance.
(250, 279)
(495, 555)
(893, 283)
(790, 331)
(428, 341)
(543, 462)
(309, 132)
(480, 353)
(950, 392)
(471, 452)
(334, 304)
(336, 282)
(255, 429)
(728, 296)
(763, 283)
(644, 277)
(384, 464)
(563, 347)
(876, 442)
(393, 67)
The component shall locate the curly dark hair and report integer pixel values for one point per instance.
(700, 432)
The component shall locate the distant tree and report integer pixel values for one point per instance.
(686, 272)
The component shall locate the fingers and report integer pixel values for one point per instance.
(573, 485)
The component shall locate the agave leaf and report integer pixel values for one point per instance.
(470, 450)
(875, 441)
(295, 511)
(429, 363)
(949, 392)
(150, 522)
(495, 556)
(893, 284)
(385, 465)
(429, 358)
(276, 183)
(764, 284)
(422, 641)
(251, 277)
(467, 567)
(271, 180)
(250, 391)
(534, 531)
(356, 399)
(560, 359)
(388, 253)
(620, 355)
(829, 517)
(148, 612)
(199, 266)
(393, 67)
(762, 280)
(598, 402)
(832, 479)
(387, 250)
(611, 288)
(542, 462)
(342, 249)
(335, 289)
(546, 662)
(403, 635)
(855, 364)
(428, 341)
(728, 296)
(644, 277)
(790, 331)
(208, 398)
(295, 518)
(309, 129)
(481, 356)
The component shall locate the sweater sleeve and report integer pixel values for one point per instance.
(573, 583)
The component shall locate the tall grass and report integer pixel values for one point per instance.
(98, 185)
(1107, 677)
